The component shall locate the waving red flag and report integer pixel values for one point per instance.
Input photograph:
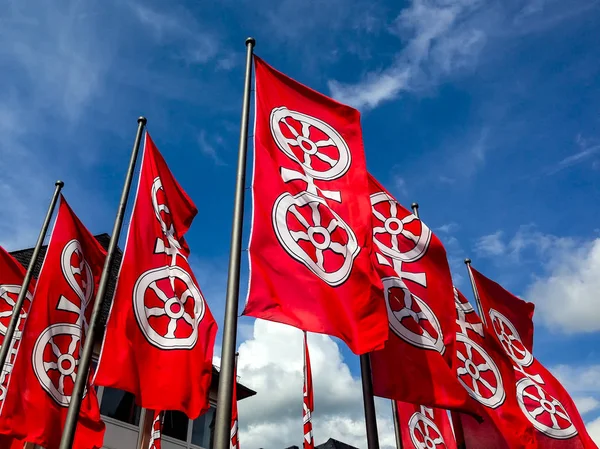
(235, 436)
(486, 373)
(311, 237)
(156, 432)
(45, 370)
(422, 427)
(12, 274)
(160, 334)
(308, 401)
(415, 364)
(542, 398)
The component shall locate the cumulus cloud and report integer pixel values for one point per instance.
(567, 297)
(490, 245)
(593, 428)
(271, 363)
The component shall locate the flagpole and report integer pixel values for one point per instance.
(475, 292)
(68, 435)
(415, 209)
(397, 431)
(16, 313)
(225, 392)
(369, 402)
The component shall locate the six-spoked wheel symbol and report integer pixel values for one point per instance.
(478, 373)
(77, 272)
(318, 147)
(399, 235)
(8, 296)
(410, 317)
(510, 339)
(315, 235)
(55, 359)
(169, 307)
(545, 412)
(424, 433)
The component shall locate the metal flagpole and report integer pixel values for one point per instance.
(475, 292)
(397, 431)
(415, 209)
(16, 313)
(369, 402)
(66, 441)
(222, 438)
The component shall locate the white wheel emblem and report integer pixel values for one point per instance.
(168, 307)
(404, 237)
(410, 317)
(77, 272)
(315, 235)
(318, 147)
(9, 295)
(55, 360)
(479, 374)
(545, 412)
(424, 433)
(510, 339)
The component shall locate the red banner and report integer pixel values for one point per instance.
(156, 432)
(424, 428)
(235, 436)
(40, 390)
(311, 237)
(486, 373)
(542, 398)
(160, 334)
(11, 280)
(308, 400)
(415, 364)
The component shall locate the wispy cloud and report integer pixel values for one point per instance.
(490, 245)
(587, 149)
(209, 149)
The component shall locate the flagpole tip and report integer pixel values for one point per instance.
(415, 205)
(59, 183)
(142, 120)
(468, 261)
(250, 41)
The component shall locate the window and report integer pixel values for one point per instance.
(120, 405)
(176, 425)
(202, 429)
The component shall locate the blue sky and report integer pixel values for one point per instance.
(483, 111)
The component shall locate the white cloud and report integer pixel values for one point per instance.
(586, 150)
(593, 428)
(586, 404)
(567, 297)
(448, 228)
(271, 364)
(490, 245)
(209, 149)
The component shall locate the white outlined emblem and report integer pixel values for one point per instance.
(168, 307)
(510, 339)
(392, 227)
(424, 329)
(424, 433)
(545, 412)
(55, 358)
(8, 295)
(478, 373)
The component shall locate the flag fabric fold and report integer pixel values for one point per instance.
(541, 397)
(156, 432)
(308, 400)
(311, 237)
(423, 427)
(415, 365)
(160, 333)
(486, 373)
(45, 370)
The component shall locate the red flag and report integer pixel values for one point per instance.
(424, 428)
(160, 334)
(12, 274)
(415, 364)
(311, 237)
(308, 400)
(542, 398)
(235, 437)
(486, 373)
(39, 392)
(157, 424)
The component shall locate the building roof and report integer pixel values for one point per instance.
(24, 256)
(334, 444)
